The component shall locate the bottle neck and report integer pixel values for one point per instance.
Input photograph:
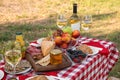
(74, 8)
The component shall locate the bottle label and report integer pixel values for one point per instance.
(76, 26)
(20, 39)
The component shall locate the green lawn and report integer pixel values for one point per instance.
(36, 18)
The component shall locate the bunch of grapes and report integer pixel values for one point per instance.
(76, 55)
(58, 32)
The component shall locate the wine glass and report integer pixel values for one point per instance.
(12, 56)
(87, 22)
(61, 21)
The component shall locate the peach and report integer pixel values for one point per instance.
(66, 34)
(58, 40)
(66, 39)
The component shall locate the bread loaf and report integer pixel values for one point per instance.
(85, 48)
(47, 46)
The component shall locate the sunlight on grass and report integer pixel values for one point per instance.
(1, 2)
(116, 70)
(22, 16)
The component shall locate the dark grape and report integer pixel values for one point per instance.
(76, 55)
(77, 60)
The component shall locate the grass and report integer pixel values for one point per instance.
(116, 70)
(36, 18)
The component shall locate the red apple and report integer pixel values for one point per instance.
(75, 33)
(58, 40)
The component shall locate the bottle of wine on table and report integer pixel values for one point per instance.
(74, 19)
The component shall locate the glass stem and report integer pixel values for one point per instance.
(14, 71)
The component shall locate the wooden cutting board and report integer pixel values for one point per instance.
(65, 63)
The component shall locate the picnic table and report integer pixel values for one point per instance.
(94, 67)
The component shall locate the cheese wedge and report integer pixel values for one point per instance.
(47, 46)
(44, 61)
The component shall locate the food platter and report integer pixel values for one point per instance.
(95, 50)
(88, 50)
(21, 72)
(65, 63)
(79, 53)
(48, 77)
(23, 67)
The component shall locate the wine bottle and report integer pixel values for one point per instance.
(74, 19)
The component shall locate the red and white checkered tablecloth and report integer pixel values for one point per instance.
(94, 67)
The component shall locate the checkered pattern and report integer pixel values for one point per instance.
(94, 67)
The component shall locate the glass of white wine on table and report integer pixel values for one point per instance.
(12, 57)
(61, 21)
(87, 22)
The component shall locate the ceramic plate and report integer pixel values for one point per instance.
(24, 66)
(39, 41)
(1, 74)
(24, 71)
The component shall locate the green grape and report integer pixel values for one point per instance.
(67, 29)
(17, 45)
(9, 45)
(23, 49)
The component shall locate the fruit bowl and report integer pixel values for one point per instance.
(64, 39)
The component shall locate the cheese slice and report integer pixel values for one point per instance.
(44, 61)
(47, 46)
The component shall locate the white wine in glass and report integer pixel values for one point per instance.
(61, 21)
(87, 22)
(12, 56)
